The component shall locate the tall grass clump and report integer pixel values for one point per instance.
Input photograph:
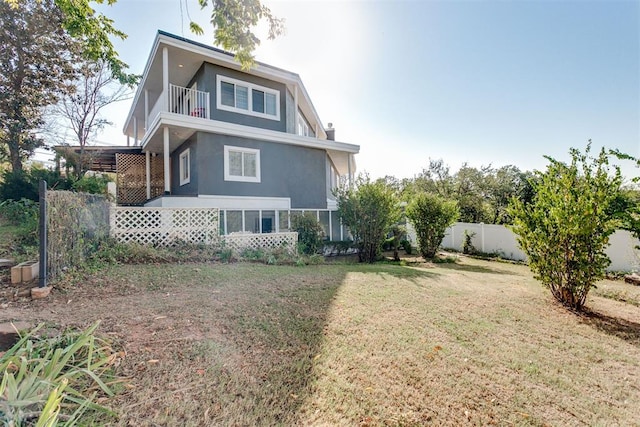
(48, 380)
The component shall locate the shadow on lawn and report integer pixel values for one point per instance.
(262, 329)
(475, 268)
(621, 328)
(278, 331)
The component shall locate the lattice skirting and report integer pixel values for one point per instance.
(165, 226)
(131, 182)
(241, 241)
(171, 226)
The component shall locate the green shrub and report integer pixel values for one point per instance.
(251, 254)
(24, 214)
(467, 246)
(110, 251)
(431, 215)
(368, 211)
(25, 184)
(310, 233)
(94, 184)
(227, 255)
(565, 229)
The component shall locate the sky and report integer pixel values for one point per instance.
(481, 82)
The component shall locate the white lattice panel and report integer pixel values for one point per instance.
(241, 241)
(165, 226)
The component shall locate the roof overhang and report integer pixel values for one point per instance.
(181, 127)
(98, 158)
(186, 57)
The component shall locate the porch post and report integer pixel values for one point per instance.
(349, 170)
(165, 78)
(135, 131)
(167, 178)
(147, 156)
(146, 109)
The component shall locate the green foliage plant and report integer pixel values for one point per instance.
(45, 378)
(467, 246)
(24, 214)
(398, 235)
(406, 245)
(368, 210)
(431, 215)
(310, 232)
(234, 22)
(565, 229)
(24, 184)
(93, 184)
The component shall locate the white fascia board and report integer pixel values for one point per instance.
(247, 202)
(215, 126)
(222, 202)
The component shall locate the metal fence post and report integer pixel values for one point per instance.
(42, 282)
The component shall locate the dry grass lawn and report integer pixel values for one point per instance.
(473, 343)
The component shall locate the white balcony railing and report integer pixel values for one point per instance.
(190, 102)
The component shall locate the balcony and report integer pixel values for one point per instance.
(185, 101)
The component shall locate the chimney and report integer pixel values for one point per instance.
(331, 132)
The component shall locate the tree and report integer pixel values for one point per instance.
(470, 191)
(435, 179)
(430, 215)
(368, 211)
(79, 111)
(502, 185)
(93, 31)
(233, 21)
(36, 57)
(566, 228)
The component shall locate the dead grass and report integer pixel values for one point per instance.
(473, 343)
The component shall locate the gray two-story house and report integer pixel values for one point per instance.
(247, 142)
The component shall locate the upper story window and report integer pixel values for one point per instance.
(241, 164)
(247, 98)
(185, 167)
(302, 126)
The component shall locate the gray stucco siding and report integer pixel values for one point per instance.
(206, 79)
(298, 173)
(190, 189)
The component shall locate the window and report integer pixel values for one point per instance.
(335, 178)
(185, 167)
(247, 98)
(241, 164)
(303, 127)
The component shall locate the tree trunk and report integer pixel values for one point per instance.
(14, 155)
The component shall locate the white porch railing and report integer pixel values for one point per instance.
(189, 102)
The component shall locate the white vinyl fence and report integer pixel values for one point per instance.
(498, 239)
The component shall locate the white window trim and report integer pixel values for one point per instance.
(250, 87)
(183, 180)
(228, 176)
